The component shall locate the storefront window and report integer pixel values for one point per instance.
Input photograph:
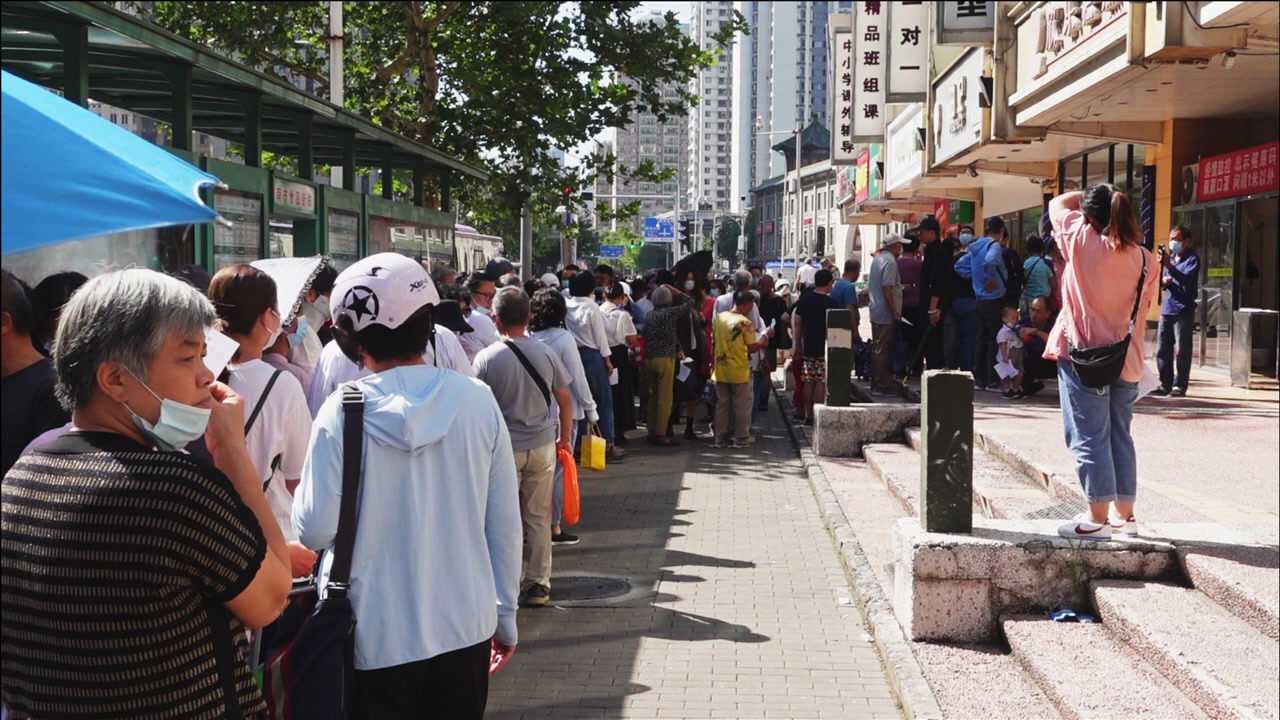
(344, 247)
(241, 242)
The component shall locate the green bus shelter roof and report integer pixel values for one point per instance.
(127, 62)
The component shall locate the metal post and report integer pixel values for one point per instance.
(253, 130)
(306, 153)
(526, 241)
(420, 181)
(799, 220)
(74, 39)
(347, 174)
(179, 75)
(336, 84)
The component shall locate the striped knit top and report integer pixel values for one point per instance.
(116, 562)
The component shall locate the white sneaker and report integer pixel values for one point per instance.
(1127, 526)
(1084, 528)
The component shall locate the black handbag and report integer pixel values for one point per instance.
(1100, 366)
(313, 675)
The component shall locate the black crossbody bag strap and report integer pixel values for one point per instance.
(352, 460)
(262, 400)
(1142, 280)
(528, 366)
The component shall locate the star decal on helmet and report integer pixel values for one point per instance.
(361, 301)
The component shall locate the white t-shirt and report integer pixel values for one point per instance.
(277, 442)
(335, 368)
(585, 321)
(1008, 335)
(484, 334)
(618, 325)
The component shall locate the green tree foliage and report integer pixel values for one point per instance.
(752, 224)
(727, 241)
(631, 243)
(500, 84)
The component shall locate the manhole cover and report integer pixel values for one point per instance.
(574, 588)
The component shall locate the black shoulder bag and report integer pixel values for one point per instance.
(1100, 366)
(528, 367)
(313, 675)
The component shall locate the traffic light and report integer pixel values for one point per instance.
(685, 233)
(568, 193)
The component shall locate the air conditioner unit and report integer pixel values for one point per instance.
(1190, 179)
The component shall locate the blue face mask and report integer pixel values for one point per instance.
(966, 238)
(1175, 247)
(178, 426)
(304, 345)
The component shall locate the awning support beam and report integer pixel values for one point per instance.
(252, 129)
(306, 151)
(74, 39)
(179, 75)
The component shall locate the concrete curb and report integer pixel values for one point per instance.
(905, 676)
(1066, 489)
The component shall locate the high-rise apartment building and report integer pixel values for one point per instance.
(711, 158)
(646, 139)
(780, 73)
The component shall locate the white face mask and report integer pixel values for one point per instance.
(715, 293)
(317, 313)
(304, 345)
(689, 284)
(1175, 247)
(178, 425)
(275, 334)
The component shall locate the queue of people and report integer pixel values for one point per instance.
(211, 490)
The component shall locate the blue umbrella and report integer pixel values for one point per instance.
(69, 174)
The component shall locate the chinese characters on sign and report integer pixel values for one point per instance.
(294, 197)
(964, 22)
(908, 51)
(1242, 172)
(842, 123)
(870, 30)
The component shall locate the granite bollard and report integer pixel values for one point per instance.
(946, 450)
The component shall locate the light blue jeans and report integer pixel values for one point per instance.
(557, 488)
(1097, 426)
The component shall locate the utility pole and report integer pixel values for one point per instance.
(526, 240)
(336, 93)
(799, 219)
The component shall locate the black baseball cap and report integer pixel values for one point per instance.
(449, 315)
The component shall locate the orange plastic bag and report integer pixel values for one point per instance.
(571, 512)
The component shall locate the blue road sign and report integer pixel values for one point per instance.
(659, 229)
(611, 251)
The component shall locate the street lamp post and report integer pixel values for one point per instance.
(759, 125)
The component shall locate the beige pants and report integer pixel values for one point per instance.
(536, 469)
(733, 403)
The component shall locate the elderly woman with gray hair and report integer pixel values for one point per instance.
(130, 567)
(662, 351)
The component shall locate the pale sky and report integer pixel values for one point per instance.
(684, 13)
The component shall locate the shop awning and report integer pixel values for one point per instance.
(133, 64)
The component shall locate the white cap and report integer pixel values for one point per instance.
(383, 289)
(888, 239)
(550, 280)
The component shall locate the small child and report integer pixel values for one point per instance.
(1009, 354)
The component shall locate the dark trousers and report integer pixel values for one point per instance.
(933, 355)
(984, 351)
(598, 381)
(624, 393)
(1180, 329)
(907, 342)
(452, 685)
(760, 389)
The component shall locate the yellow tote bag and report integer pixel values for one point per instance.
(593, 447)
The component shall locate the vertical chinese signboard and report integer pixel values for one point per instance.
(964, 22)
(908, 51)
(870, 61)
(842, 147)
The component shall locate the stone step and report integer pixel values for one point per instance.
(956, 671)
(898, 467)
(999, 491)
(1223, 664)
(1088, 674)
(1243, 579)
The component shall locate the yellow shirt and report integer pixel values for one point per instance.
(733, 333)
